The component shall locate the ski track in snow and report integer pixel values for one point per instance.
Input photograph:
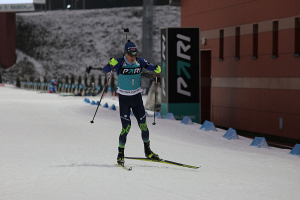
(50, 150)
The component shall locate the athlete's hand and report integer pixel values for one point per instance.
(113, 62)
(157, 69)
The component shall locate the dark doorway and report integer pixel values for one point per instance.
(205, 85)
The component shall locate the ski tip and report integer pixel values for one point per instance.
(192, 167)
(124, 167)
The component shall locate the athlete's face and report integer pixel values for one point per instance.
(130, 57)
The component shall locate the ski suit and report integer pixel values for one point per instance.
(129, 90)
(52, 87)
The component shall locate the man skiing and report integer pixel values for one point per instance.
(129, 69)
(52, 86)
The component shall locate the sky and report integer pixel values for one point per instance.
(15, 1)
(89, 4)
(50, 150)
(93, 4)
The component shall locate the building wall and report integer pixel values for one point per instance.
(251, 94)
(7, 39)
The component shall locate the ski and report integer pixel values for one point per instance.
(164, 161)
(124, 167)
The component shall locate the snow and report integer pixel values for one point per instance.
(50, 150)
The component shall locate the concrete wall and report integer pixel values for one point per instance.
(251, 94)
(7, 39)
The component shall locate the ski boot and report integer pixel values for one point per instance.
(120, 158)
(150, 154)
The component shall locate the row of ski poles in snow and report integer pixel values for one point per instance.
(126, 30)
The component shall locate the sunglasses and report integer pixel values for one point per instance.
(131, 55)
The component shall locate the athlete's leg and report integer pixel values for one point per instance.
(139, 112)
(140, 115)
(126, 123)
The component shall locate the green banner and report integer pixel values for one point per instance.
(180, 77)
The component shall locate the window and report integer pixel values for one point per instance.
(275, 40)
(297, 37)
(237, 43)
(255, 41)
(221, 53)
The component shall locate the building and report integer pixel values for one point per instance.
(8, 10)
(7, 39)
(250, 57)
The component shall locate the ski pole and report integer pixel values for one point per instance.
(102, 93)
(155, 97)
(126, 30)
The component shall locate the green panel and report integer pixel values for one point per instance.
(164, 109)
(180, 110)
(143, 127)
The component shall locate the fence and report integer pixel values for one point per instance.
(64, 88)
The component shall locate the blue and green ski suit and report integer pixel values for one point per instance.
(129, 90)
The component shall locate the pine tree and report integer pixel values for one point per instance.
(31, 80)
(92, 83)
(112, 83)
(100, 82)
(45, 79)
(105, 79)
(85, 80)
(79, 83)
(66, 82)
(79, 80)
(45, 82)
(38, 80)
(25, 80)
(67, 79)
(72, 81)
(93, 78)
(59, 82)
(18, 82)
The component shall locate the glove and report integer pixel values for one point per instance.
(113, 62)
(157, 69)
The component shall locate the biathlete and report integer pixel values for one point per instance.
(129, 69)
(52, 86)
